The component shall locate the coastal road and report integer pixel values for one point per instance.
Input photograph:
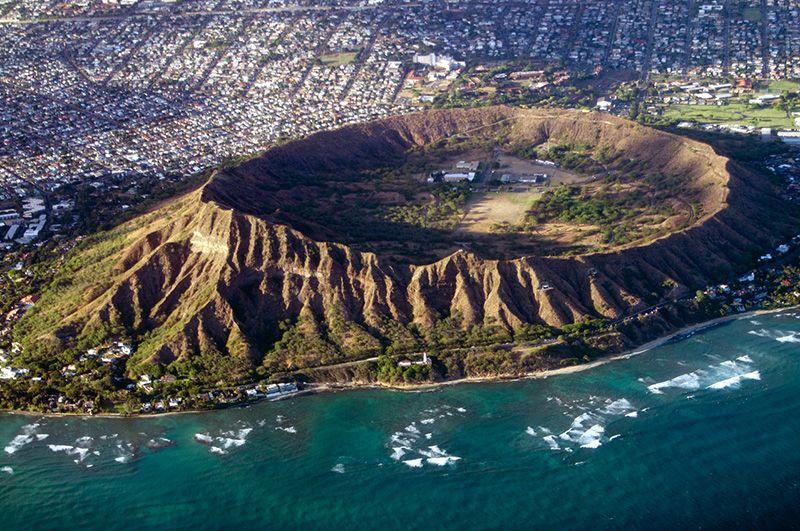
(354, 363)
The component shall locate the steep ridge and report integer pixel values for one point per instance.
(229, 262)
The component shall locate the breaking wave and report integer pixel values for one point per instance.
(721, 376)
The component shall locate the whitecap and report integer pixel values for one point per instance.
(217, 450)
(734, 381)
(433, 451)
(42, 436)
(203, 438)
(790, 338)
(413, 463)
(398, 452)
(228, 442)
(441, 461)
(461, 410)
(428, 436)
(427, 421)
(60, 447)
(338, 468)
(122, 459)
(551, 442)
(745, 359)
(398, 438)
(616, 436)
(158, 443)
(290, 429)
(632, 414)
(591, 437)
(18, 442)
(689, 381)
(577, 429)
(70, 450)
(7, 470)
(617, 407)
(80, 452)
(412, 429)
(530, 431)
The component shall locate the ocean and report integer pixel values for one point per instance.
(703, 432)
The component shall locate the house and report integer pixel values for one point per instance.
(145, 382)
(408, 363)
(8, 214)
(749, 277)
(11, 373)
(603, 105)
(468, 166)
(535, 178)
(455, 177)
(413, 78)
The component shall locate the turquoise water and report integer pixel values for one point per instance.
(704, 432)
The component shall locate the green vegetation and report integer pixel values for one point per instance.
(339, 59)
(782, 85)
(443, 212)
(753, 14)
(733, 113)
(580, 159)
(94, 259)
(615, 209)
(388, 371)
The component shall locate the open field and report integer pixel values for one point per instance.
(779, 85)
(735, 113)
(339, 59)
(488, 209)
(753, 14)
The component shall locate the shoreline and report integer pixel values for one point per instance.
(546, 373)
(322, 388)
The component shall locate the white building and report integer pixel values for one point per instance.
(443, 62)
(456, 177)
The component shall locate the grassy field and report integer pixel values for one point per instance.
(779, 85)
(339, 59)
(752, 14)
(734, 113)
(486, 210)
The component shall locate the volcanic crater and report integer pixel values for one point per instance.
(332, 236)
